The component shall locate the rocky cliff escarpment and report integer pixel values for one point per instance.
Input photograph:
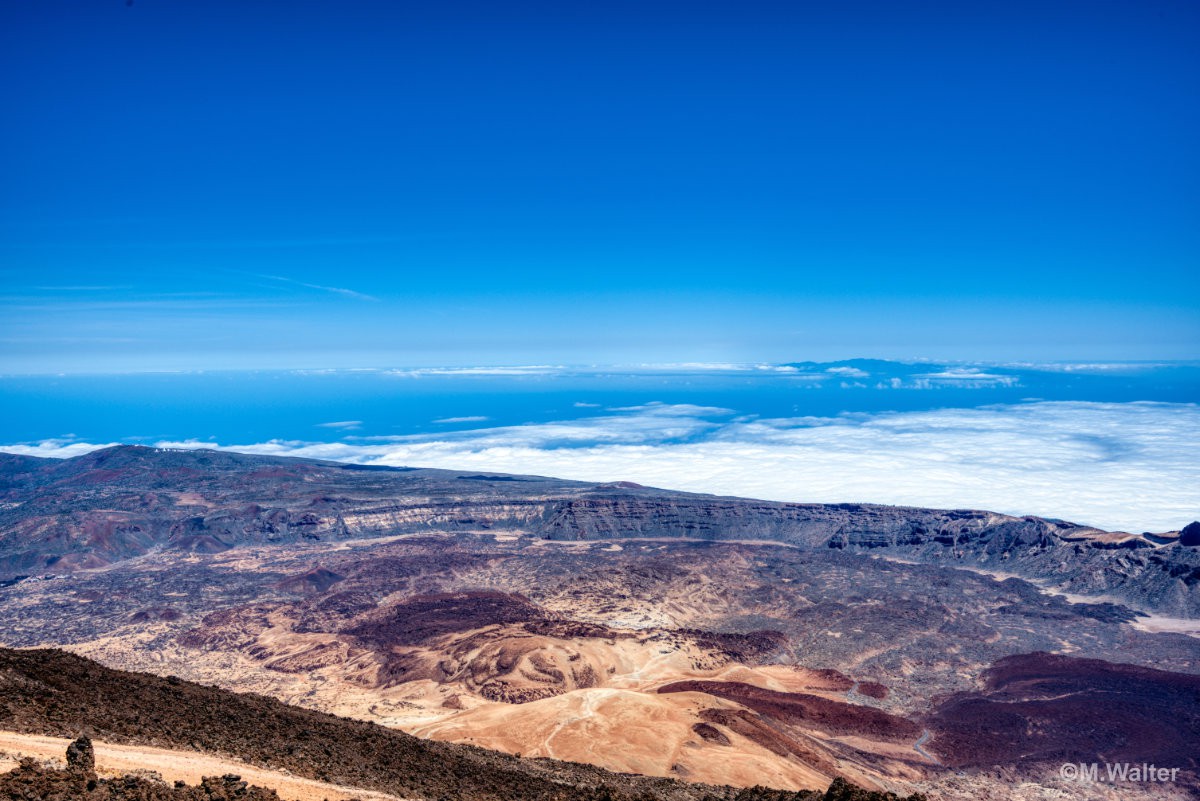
(58, 516)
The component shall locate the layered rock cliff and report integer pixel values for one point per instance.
(58, 516)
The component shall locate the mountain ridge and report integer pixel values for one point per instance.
(121, 502)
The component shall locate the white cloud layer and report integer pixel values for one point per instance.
(1127, 466)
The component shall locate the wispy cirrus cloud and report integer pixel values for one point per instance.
(337, 290)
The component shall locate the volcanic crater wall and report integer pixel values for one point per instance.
(63, 515)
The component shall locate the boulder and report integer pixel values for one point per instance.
(81, 757)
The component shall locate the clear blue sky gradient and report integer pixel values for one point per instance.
(264, 184)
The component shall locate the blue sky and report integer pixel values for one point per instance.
(255, 184)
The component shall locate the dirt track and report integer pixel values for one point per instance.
(116, 760)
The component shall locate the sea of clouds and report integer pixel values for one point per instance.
(1124, 466)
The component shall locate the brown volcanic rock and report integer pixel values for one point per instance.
(757, 730)
(330, 612)
(81, 757)
(230, 629)
(1044, 708)
(833, 679)
(418, 620)
(811, 711)
(710, 733)
(155, 613)
(317, 656)
(519, 669)
(198, 543)
(500, 646)
(313, 582)
(30, 781)
(751, 648)
(52, 692)
(873, 689)
(842, 790)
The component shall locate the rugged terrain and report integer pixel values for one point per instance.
(52, 692)
(168, 766)
(57, 516)
(712, 640)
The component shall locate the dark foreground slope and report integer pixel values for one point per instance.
(33, 782)
(50, 692)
